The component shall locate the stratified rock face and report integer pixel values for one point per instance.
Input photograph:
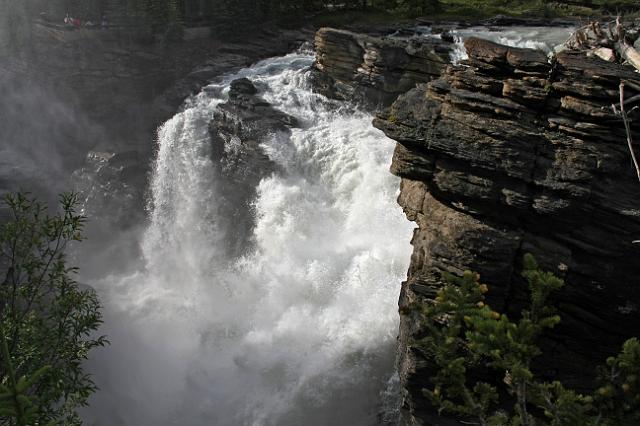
(237, 129)
(374, 70)
(508, 155)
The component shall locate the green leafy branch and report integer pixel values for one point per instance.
(14, 400)
(47, 321)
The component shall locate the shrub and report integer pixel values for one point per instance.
(46, 320)
(464, 336)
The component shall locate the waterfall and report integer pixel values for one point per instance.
(299, 329)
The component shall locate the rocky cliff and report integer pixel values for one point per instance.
(374, 70)
(510, 154)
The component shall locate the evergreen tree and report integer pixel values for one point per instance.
(464, 336)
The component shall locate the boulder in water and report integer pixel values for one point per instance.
(242, 86)
(237, 130)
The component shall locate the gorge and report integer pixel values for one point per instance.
(250, 264)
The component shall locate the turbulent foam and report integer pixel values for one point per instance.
(543, 38)
(301, 329)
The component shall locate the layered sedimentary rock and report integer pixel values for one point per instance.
(374, 70)
(510, 154)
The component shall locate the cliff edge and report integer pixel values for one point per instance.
(508, 154)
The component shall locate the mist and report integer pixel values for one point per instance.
(300, 328)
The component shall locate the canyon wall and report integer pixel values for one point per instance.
(504, 155)
(510, 154)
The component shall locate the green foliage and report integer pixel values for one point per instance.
(415, 8)
(15, 403)
(46, 319)
(618, 395)
(532, 8)
(469, 345)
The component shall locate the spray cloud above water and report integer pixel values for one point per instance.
(301, 328)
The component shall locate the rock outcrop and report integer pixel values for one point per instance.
(511, 154)
(371, 70)
(237, 129)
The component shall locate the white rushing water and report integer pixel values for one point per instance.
(542, 38)
(299, 330)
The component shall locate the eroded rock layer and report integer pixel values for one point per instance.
(511, 154)
(374, 70)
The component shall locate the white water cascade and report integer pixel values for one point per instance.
(543, 38)
(298, 331)
(547, 39)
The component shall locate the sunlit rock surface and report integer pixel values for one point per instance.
(374, 70)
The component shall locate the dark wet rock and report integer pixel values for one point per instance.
(499, 55)
(371, 70)
(242, 86)
(512, 155)
(447, 36)
(237, 129)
